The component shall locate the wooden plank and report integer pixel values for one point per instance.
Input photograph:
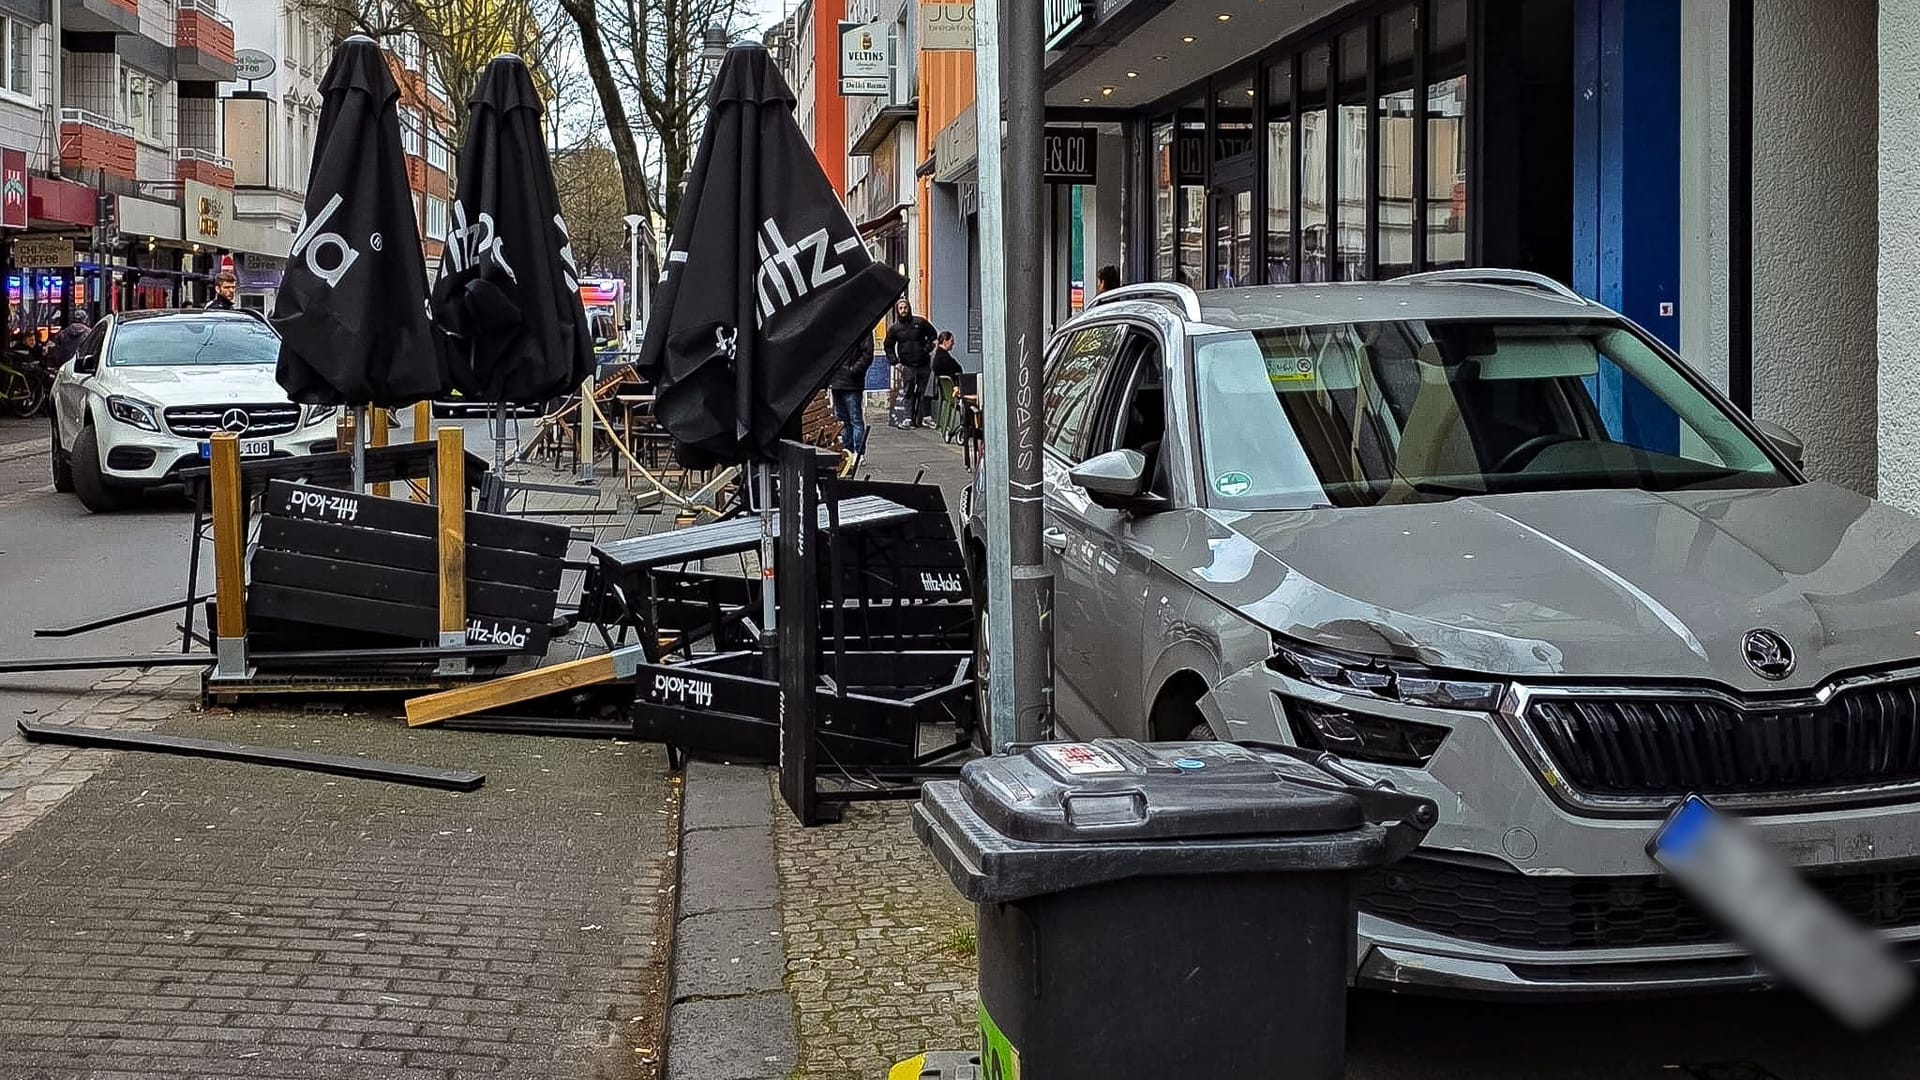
(422, 433)
(376, 548)
(284, 499)
(376, 438)
(419, 588)
(511, 690)
(453, 533)
(385, 617)
(229, 537)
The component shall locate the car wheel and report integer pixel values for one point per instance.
(60, 464)
(96, 492)
(1176, 713)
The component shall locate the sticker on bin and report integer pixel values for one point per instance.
(1081, 759)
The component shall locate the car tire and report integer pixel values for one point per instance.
(1176, 716)
(96, 492)
(59, 463)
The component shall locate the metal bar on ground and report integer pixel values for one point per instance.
(229, 560)
(406, 654)
(376, 438)
(115, 620)
(30, 664)
(451, 495)
(332, 764)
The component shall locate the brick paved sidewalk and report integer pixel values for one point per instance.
(183, 917)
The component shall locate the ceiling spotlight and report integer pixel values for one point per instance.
(1224, 17)
(1188, 39)
(1162, 59)
(1106, 91)
(1133, 74)
(1086, 101)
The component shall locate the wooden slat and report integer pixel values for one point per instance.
(400, 586)
(422, 432)
(453, 533)
(368, 511)
(376, 438)
(511, 690)
(385, 617)
(229, 537)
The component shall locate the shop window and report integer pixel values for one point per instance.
(19, 46)
(1190, 172)
(1280, 172)
(1350, 225)
(1394, 119)
(1316, 260)
(1446, 165)
(1233, 179)
(1165, 265)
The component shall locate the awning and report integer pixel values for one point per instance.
(878, 225)
(884, 121)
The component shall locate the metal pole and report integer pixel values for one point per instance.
(1019, 585)
(359, 448)
(586, 430)
(769, 539)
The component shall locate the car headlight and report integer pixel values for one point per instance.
(317, 413)
(134, 413)
(1388, 680)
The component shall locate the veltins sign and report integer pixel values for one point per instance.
(41, 253)
(13, 189)
(1065, 18)
(1069, 155)
(866, 61)
(253, 65)
(946, 27)
(204, 211)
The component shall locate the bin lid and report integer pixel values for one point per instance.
(1120, 790)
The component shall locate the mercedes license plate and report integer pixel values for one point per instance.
(1719, 863)
(248, 448)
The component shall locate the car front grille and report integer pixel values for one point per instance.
(1665, 748)
(1498, 907)
(263, 421)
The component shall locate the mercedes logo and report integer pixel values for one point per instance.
(1768, 654)
(235, 421)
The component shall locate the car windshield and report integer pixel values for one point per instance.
(1364, 414)
(194, 343)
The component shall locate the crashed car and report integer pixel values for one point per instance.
(1498, 545)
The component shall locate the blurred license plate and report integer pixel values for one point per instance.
(1772, 910)
(248, 448)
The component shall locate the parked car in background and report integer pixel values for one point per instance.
(145, 393)
(1498, 545)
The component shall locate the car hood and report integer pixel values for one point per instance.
(1608, 585)
(211, 385)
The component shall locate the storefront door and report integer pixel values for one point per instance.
(1232, 207)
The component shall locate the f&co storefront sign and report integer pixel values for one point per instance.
(1069, 155)
(1065, 18)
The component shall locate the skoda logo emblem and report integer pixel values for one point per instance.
(1768, 654)
(235, 421)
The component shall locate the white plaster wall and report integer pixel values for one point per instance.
(1101, 210)
(1816, 230)
(1704, 187)
(1899, 249)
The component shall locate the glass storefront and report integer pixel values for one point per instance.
(1341, 155)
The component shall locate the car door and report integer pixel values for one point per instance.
(1130, 414)
(1076, 377)
(70, 386)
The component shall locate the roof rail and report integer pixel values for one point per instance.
(1188, 300)
(1496, 276)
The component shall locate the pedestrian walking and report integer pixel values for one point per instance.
(225, 288)
(1108, 278)
(910, 341)
(849, 389)
(75, 333)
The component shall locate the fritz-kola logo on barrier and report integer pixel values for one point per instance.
(466, 243)
(786, 276)
(322, 248)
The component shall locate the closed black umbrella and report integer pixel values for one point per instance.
(509, 291)
(767, 284)
(351, 309)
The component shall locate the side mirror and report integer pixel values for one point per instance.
(1785, 441)
(1117, 480)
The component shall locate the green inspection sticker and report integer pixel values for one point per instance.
(998, 1059)
(1233, 483)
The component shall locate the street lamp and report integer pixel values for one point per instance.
(634, 221)
(713, 47)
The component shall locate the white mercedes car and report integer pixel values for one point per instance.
(146, 391)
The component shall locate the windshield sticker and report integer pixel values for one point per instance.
(1289, 369)
(1233, 483)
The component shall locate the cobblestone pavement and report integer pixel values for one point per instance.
(184, 917)
(879, 947)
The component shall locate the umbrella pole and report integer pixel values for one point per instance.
(767, 567)
(500, 440)
(359, 448)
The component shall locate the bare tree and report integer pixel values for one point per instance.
(585, 15)
(586, 176)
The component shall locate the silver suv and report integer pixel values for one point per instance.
(1503, 546)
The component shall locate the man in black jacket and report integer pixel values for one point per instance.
(849, 388)
(910, 341)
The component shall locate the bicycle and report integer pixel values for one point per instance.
(24, 386)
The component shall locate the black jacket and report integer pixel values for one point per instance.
(220, 303)
(852, 372)
(910, 341)
(944, 363)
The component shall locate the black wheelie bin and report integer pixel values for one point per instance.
(1164, 910)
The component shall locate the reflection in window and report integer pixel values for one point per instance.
(1315, 258)
(1191, 172)
(1280, 172)
(1447, 136)
(1163, 189)
(1072, 381)
(1233, 154)
(1350, 239)
(1393, 243)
